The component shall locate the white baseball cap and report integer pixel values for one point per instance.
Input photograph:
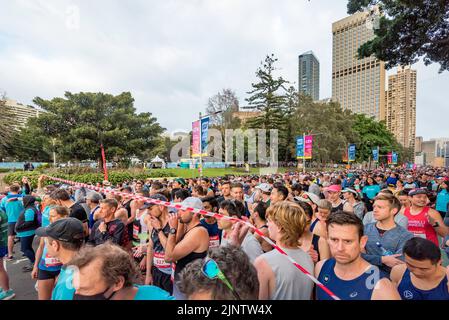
(192, 202)
(265, 187)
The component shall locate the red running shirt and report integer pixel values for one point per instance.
(420, 226)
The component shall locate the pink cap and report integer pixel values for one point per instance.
(334, 188)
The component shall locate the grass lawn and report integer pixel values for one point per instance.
(193, 173)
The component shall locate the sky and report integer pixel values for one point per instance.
(173, 55)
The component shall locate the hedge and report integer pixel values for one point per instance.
(115, 177)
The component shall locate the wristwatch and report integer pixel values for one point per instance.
(172, 231)
(436, 225)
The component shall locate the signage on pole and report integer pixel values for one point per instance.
(204, 135)
(390, 157)
(299, 147)
(394, 158)
(308, 147)
(196, 139)
(376, 155)
(351, 153)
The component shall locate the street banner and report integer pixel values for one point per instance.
(204, 135)
(390, 158)
(376, 155)
(299, 147)
(196, 139)
(394, 157)
(308, 147)
(351, 153)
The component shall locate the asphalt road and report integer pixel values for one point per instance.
(20, 281)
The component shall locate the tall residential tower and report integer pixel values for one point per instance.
(309, 75)
(357, 84)
(401, 106)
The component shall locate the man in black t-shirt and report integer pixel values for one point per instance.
(62, 198)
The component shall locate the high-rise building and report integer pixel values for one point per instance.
(21, 113)
(400, 115)
(357, 84)
(309, 75)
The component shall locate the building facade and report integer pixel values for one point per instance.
(400, 115)
(434, 153)
(357, 84)
(21, 113)
(309, 75)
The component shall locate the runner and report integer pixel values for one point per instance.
(62, 198)
(370, 191)
(258, 219)
(347, 274)
(6, 293)
(353, 203)
(93, 201)
(422, 277)
(423, 221)
(333, 195)
(443, 199)
(210, 223)
(46, 268)
(187, 241)
(278, 193)
(26, 226)
(107, 272)
(225, 188)
(234, 208)
(108, 228)
(385, 238)
(13, 206)
(158, 270)
(240, 277)
(279, 279)
(63, 239)
(238, 194)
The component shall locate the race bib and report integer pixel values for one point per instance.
(159, 261)
(52, 261)
(135, 232)
(214, 241)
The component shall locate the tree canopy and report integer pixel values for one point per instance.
(81, 122)
(407, 31)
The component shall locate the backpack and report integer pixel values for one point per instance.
(22, 225)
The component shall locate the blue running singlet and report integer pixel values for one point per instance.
(360, 288)
(409, 292)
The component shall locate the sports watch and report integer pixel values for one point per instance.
(172, 231)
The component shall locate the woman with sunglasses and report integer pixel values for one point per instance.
(279, 279)
(225, 274)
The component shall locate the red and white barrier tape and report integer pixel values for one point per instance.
(203, 212)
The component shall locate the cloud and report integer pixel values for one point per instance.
(173, 55)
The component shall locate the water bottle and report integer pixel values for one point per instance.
(384, 251)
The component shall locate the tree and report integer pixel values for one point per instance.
(221, 106)
(82, 122)
(269, 98)
(407, 31)
(373, 133)
(7, 119)
(332, 128)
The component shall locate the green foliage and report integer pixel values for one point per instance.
(407, 31)
(81, 122)
(114, 176)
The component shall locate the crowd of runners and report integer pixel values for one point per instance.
(364, 235)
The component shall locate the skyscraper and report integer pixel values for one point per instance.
(309, 75)
(401, 106)
(358, 85)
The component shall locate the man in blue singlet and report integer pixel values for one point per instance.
(347, 274)
(422, 277)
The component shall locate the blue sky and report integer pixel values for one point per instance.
(172, 55)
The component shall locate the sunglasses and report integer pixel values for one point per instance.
(211, 270)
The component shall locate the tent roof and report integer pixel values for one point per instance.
(157, 159)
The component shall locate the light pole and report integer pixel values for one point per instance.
(53, 140)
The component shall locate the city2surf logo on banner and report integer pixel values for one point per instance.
(351, 152)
